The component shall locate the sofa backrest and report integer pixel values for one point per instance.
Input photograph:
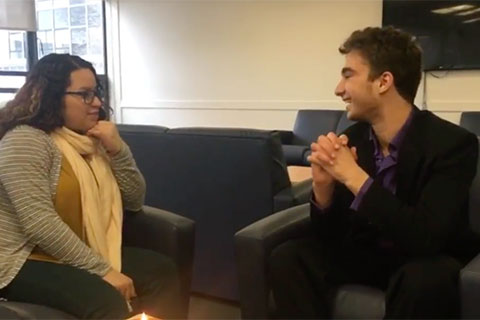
(471, 121)
(309, 124)
(223, 179)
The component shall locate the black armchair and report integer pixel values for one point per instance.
(154, 229)
(255, 242)
(309, 124)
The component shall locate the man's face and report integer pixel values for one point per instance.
(356, 89)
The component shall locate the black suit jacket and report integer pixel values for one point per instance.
(428, 215)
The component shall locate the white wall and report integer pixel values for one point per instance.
(247, 63)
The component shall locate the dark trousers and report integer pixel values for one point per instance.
(88, 296)
(304, 274)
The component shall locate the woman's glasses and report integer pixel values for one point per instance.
(88, 96)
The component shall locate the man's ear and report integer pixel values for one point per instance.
(385, 82)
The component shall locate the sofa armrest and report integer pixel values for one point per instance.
(470, 289)
(253, 245)
(296, 155)
(166, 233)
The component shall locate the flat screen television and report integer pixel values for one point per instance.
(448, 31)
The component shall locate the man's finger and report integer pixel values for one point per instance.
(326, 146)
(334, 140)
(344, 139)
(354, 152)
(322, 158)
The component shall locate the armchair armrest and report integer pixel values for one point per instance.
(253, 245)
(296, 155)
(298, 193)
(286, 136)
(166, 233)
(470, 289)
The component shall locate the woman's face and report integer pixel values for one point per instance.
(80, 115)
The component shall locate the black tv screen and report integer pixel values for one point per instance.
(448, 31)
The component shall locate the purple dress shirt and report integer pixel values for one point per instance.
(385, 166)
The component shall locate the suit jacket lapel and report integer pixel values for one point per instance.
(410, 158)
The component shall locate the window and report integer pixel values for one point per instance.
(64, 26)
(12, 51)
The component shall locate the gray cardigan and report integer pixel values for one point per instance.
(29, 171)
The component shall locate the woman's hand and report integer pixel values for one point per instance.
(107, 133)
(122, 283)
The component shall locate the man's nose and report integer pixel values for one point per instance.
(340, 88)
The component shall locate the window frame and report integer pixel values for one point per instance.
(32, 58)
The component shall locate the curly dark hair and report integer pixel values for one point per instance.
(389, 49)
(39, 102)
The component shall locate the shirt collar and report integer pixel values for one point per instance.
(396, 142)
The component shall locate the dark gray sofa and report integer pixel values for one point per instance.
(224, 179)
(153, 229)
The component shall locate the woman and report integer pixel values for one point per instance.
(65, 178)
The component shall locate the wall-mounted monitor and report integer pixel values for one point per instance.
(448, 31)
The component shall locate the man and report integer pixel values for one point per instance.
(389, 203)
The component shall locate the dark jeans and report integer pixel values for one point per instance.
(304, 274)
(88, 296)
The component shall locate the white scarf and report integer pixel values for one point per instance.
(100, 195)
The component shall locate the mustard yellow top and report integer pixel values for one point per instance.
(68, 205)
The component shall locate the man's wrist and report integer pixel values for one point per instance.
(355, 182)
(323, 194)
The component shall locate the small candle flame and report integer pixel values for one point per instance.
(144, 316)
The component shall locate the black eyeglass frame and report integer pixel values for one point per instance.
(88, 96)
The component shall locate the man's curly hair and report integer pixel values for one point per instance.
(39, 102)
(389, 49)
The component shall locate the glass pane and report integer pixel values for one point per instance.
(77, 1)
(5, 97)
(77, 16)
(43, 4)
(45, 43)
(11, 81)
(45, 19)
(95, 15)
(79, 41)
(95, 41)
(62, 41)
(12, 51)
(61, 18)
(17, 48)
(95, 49)
(60, 3)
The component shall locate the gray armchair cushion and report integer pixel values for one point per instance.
(470, 289)
(19, 310)
(358, 302)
